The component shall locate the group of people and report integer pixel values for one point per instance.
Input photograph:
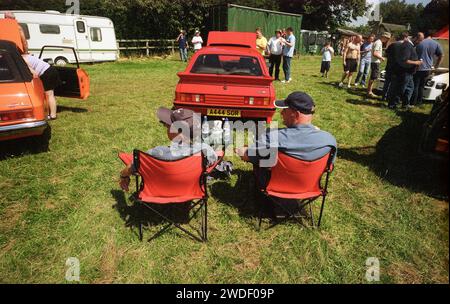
(40, 69)
(409, 63)
(368, 55)
(183, 44)
(279, 48)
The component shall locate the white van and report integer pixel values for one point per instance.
(93, 38)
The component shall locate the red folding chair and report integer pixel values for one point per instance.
(161, 182)
(295, 179)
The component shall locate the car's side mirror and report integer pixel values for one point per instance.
(49, 61)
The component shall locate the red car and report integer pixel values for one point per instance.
(23, 106)
(227, 78)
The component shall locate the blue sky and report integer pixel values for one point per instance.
(363, 20)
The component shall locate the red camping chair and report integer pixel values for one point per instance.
(167, 182)
(296, 179)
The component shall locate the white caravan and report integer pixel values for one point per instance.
(93, 38)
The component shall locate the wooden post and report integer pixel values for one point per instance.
(173, 47)
(147, 50)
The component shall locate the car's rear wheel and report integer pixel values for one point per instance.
(41, 142)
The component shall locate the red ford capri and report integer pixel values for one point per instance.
(227, 78)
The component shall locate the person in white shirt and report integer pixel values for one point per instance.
(49, 76)
(327, 53)
(275, 51)
(197, 41)
(377, 58)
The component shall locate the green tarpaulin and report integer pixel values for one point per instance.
(246, 19)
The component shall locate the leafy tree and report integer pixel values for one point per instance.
(434, 16)
(325, 14)
(400, 12)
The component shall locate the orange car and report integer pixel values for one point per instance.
(23, 106)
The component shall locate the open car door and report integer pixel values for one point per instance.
(75, 81)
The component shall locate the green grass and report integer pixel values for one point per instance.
(386, 200)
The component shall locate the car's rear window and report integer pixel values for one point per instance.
(6, 73)
(227, 65)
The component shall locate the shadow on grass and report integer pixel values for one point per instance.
(334, 84)
(368, 102)
(242, 196)
(396, 158)
(133, 214)
(25, 146)
(71, 109)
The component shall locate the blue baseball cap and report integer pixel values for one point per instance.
(298, 101)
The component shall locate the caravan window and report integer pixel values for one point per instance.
(81, 28)
(25, 29)
(49, 29)
(96, 34)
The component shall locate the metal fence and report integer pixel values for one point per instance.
(145, 46)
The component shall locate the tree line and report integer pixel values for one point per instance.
(141, 19)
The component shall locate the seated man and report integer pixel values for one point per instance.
(300, 139)
(182, 143)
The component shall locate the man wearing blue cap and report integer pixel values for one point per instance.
(300, 139)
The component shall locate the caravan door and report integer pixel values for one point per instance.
(83, 44)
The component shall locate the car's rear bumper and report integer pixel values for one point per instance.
(247, 113)
(431, 93)
(22, 130)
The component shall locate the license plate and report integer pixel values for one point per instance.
(224, 112)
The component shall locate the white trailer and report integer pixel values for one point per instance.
(93, 38)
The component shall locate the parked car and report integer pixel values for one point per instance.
(436, 82)
(23, 106)
(227, 78)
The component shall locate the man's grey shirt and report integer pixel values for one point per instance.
(179, 151)
(304, 141)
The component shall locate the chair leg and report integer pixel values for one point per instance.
(160, 232)
(311, 214)
(141, 235)
(205, 229)
(259, 218)
(321, 210)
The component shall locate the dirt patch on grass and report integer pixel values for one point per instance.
(404, 273)
(109, 261)
(12, 214)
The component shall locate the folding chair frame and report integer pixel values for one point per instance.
(195, 206)
(302, 202)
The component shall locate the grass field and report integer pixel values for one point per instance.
(386, 200)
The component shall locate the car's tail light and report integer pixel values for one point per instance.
(257, 101)
(185, 97)
(429, 83)
(440, 86)
(16, 115)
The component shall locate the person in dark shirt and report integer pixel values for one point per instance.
(183, 45)
(403, 77)
(390, 67)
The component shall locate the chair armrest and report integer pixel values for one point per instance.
(126, 158)
(220, 156)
